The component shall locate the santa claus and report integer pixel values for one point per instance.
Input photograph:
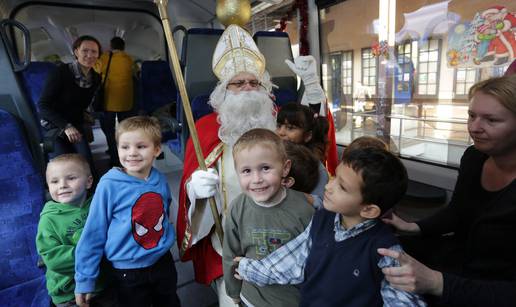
(241, 102)
(498, 29)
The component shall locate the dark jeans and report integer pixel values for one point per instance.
(152, 286)
(62, 146)
(107, 124)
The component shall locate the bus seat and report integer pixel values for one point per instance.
(421, 192)
(197, 52)
(200, 106)
(33, 79)
(158, 95)
(276, 48)
(22, 283)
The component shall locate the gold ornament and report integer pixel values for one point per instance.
(236, 12)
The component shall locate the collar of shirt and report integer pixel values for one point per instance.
(273, 202)
(80, 79)
(342, 234)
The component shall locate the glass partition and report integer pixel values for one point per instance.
(401, 69)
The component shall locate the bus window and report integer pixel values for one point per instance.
(401, 70)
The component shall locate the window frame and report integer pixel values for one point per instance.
(465, 83)
(331, 73)
(343, 74)
(412, 62)
(437, 72)
(376, 64)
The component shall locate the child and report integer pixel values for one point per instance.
(61, 223)
(304, 169)
(298, 124)
(364, 142)
(264, 217)
(336, 257)
(129, 224)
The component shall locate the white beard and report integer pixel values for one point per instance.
(243, 111)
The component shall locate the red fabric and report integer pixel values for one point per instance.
(511, 69)
(332, 158)
(207, 263)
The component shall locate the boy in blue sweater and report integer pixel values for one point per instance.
(335, 259)
(129, 224)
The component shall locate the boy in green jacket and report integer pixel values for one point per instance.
(61, 222)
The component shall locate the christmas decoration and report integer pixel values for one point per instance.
(236, 12)
(380, 48)
(302, 6)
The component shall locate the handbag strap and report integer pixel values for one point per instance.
(107, 69)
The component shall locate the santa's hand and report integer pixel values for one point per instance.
(305, 67)
(203, 184)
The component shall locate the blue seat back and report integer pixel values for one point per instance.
(157, 85)
(197, 52)
(198, 47)
(33, 80)
(158, 90)
(22, 283)
(276, 48)
(200, 106)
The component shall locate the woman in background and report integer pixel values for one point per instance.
(67, 93)
(481, 214)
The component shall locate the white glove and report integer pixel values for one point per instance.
(203, 184)
(305, 68)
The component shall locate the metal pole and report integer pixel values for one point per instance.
(162, 7)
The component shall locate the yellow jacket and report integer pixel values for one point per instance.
(118, 93)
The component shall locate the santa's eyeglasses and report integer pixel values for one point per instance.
(241, 83)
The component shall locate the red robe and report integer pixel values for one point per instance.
(332, 158)
(206, 261)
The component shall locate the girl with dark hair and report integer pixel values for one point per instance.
(67, 93)
(298, 124)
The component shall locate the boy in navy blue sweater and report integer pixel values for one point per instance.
(335, 259)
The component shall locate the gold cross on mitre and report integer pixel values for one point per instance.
(237, 52)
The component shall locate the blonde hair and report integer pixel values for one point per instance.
(503, 89)
(149, 125)
(260, 136)
(73, 158)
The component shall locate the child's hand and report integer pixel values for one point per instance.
(236, 261)
(83, 299)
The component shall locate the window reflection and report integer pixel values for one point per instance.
(425, 78)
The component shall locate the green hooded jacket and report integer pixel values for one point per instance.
(59, 229)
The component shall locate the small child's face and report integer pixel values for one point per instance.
(292, 133)
(260, 171)
(68, 182)
(137, 153)
(343, 193)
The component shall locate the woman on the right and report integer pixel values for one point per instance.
(482, 212)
